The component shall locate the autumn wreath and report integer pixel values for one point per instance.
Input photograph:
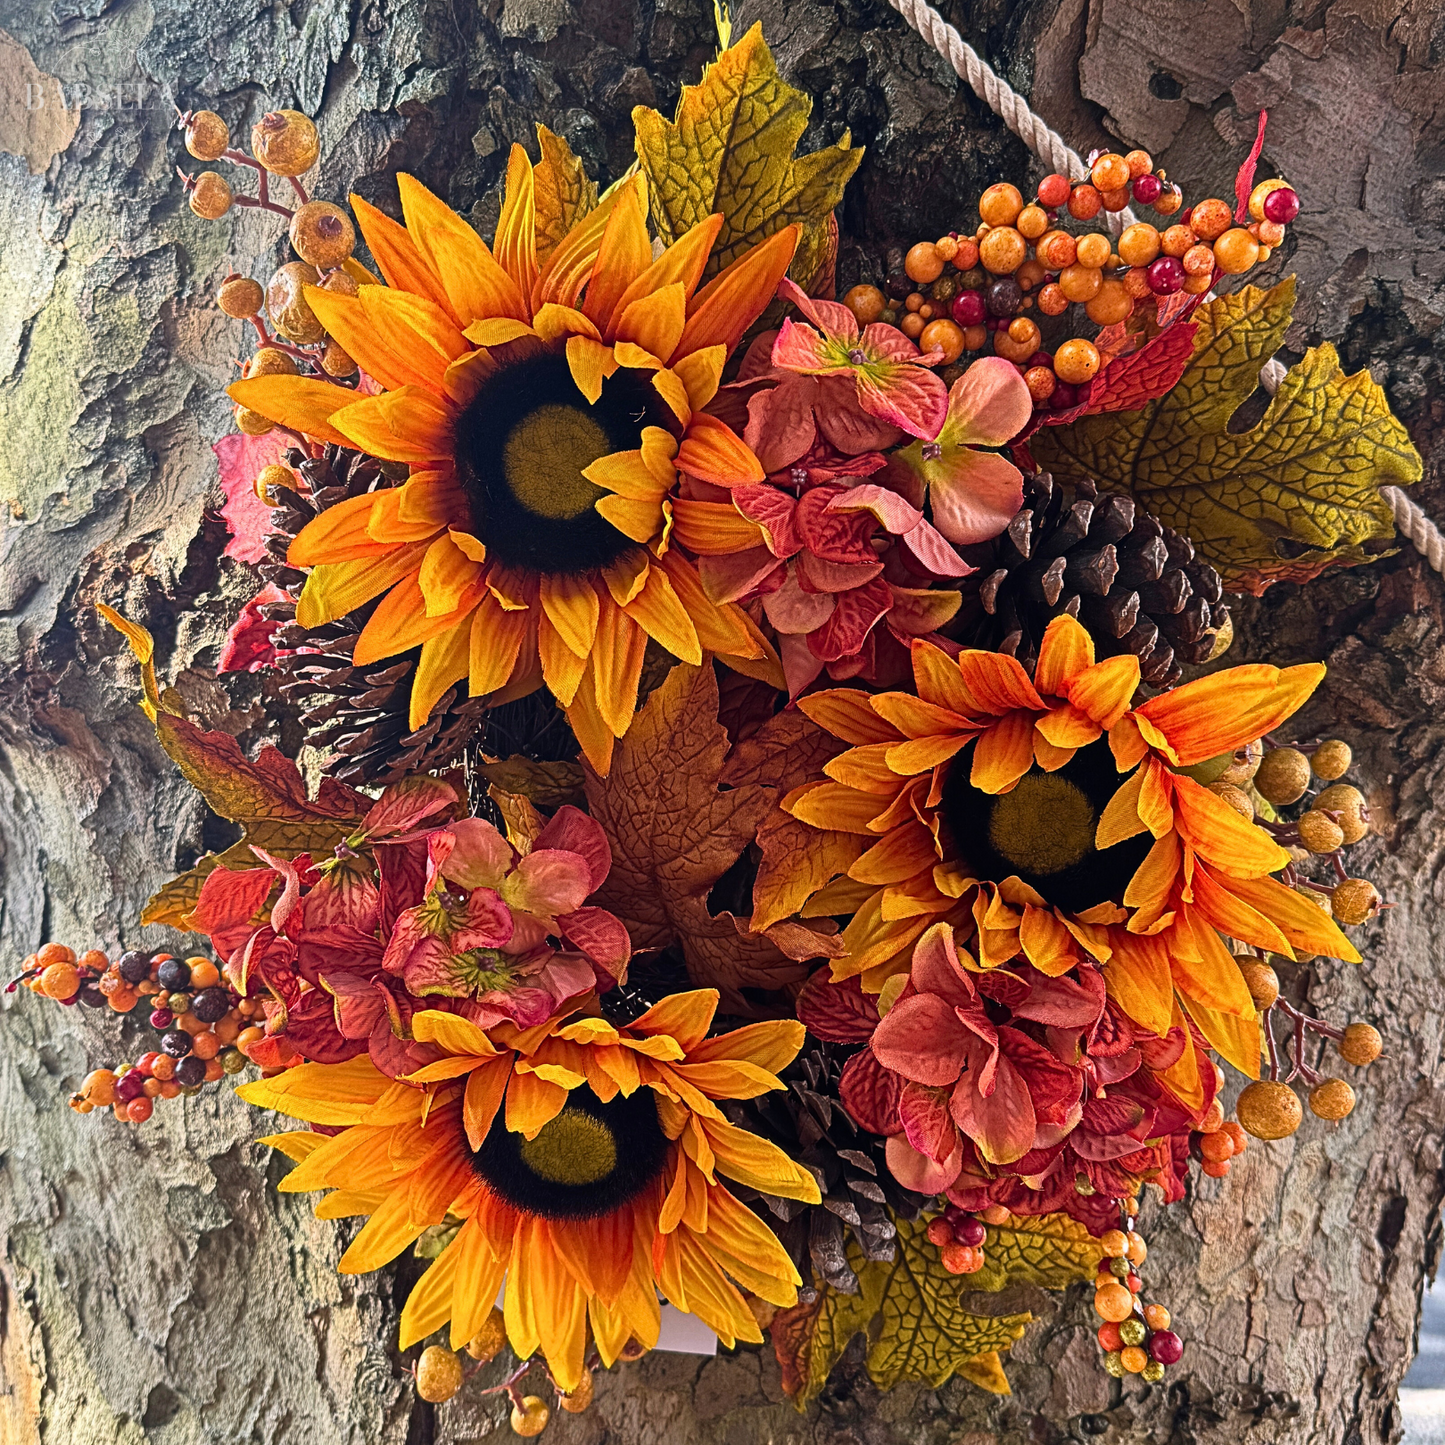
(782, 853)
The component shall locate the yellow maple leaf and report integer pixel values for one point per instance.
(562, 193)
(1284, 499)
(914, 1316)
(1048, 1250)
(730, 149)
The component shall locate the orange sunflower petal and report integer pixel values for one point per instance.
(496, 639)
(300, 402)
(401, 260)
(1103, 692)
(626, 252)
(846, 712)
(1222, 836)
(721, 629)
(682, 263)
(661, 615)
(712, 451)
(446, 573)
(1138, 979)
(617, 665)
(938, 680)
(1004, 753)
(590, 363)
(584, 717)
(655, 321)
(335, 588)
(1228, 709)
(701, 372)
(476, 1283)
(407, 425)
(445, 659)
(1067, 649)
(723, 310)
(570, 266)
(572, 606)
(340, 534)
(998, 681)
(400, 621)
(429, 1305)
(516, 238)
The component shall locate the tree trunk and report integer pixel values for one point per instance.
(155, 1284)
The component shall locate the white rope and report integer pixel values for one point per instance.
(1002, 98)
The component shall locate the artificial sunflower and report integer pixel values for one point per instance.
(1048, 817)
(545, 395)
(583, 1160)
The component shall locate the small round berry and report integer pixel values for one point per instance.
(1356, 900)
(940, 1232)
(211, 196)
(1333, 1099)
(179, 1003)
(339, 283)
(1153, 1372)
(1080, 283)
(866, 303)
(1138, 1250)
(1349, 804)
(1076, 361)
(1166, 1346)
(1032, 222)
(438, 1374)
(1198, 260)
(123, 1000)
(1283, 776)
(1002, 251)
(240, 297)
(960, 1258)
(966, 257)
(580, 1398)
(1166, 276)
(270, 361)
(1114, 1302)
(1132, 1331)
(1243, 765)
(1119, 1267)
(1057, 249)
(1156, 1317)
(337, 361)
(1139, 243)
(1237, 798)
(1085, 202)
(1134, 1359)
(1361, 1044)
(174, 976)
(1111, 304)
(139, 1109)
(190, 1072)
(996, 1215)
(211, 1005)
(1260, 979)
(232, 1061)
(1113, 1364)
(134, 966)
(1331, 760)
(1216, 1147)
(1003, 297)
(1109, 172)
(1140, 163)
(322, 234)
(285, 142)
(1000, 205)
(1169, 199)
(1114, 1242)
(162, 1018)
(1211, 219)
(1147, 189)
(99, 1087)
(1320, 833)
(1052, 301)
(923, 263)
(1269, 1110)
(1281, 206)
(1216, 1168)
(1054, 191)
(60, 980)
(1178, 241)
(287, 303)
(968, 308)
(205, 1045)
(207, 135)
(911, 325)
(177, 1043)
(947, 247)
(531, 1416)
(1114, 201)
(1241, 1139)
(1109, 1336)
(491, 1339)
(1236, 251)
(1041, 383)
(971, 1231)
(1213, 1120)
(1092, 250)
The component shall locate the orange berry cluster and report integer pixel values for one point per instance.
(961, 292)
(1135, 1337)
(1218, 1141)
(283, 143)
(961, 1236)
(205, 1030)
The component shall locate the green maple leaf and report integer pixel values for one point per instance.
(1285, 499)
(731, 149)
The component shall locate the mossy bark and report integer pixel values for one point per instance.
(156, 1286)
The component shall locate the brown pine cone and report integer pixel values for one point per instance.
(1135, 584)
(357, 714)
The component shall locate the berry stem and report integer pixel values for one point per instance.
(1268, 1019)
(261, 204)
(300, 190)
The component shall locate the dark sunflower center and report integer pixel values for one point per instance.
(591, 1159)
(522, 446)
(1043, 829)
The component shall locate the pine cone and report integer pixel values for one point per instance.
(1135, 584)
(811, 1126)
(359, 714)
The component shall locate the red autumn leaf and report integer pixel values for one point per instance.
(1244, 181)
(250, 645)
(870, 1094)
(839, 1012)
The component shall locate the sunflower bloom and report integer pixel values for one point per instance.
(1046, 818)
(545, 399)
(583, 1161)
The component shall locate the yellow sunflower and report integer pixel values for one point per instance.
(583, 1160)
(545, 398)
(1049, 818)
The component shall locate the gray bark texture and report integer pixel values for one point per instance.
(155, 1286)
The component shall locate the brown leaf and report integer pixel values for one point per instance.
(674, 833)
(548, 785)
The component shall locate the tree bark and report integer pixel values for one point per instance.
(156, 1286)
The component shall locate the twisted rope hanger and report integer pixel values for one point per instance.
(1055, 151)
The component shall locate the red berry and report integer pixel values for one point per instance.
(1109, 1337)
(940, 1232)
(968, 308)
(139, 1109)
(1281, 206)
(972, 1232)
(1064, 397)
(1147, 189)
(1166, 1347)
(958, 1258)
(1166, 276)
(1054, 190)
(162, 1018)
